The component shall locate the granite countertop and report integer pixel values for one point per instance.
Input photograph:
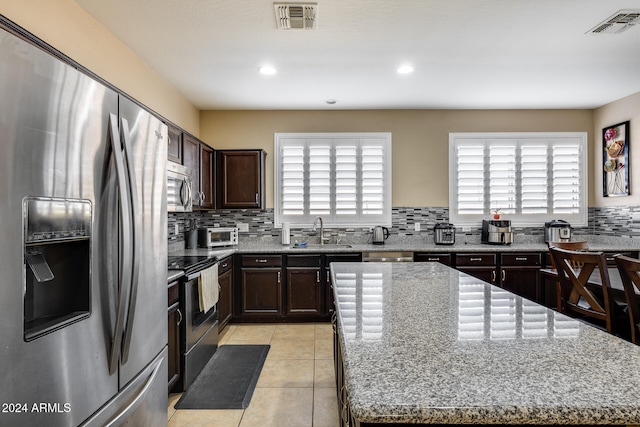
(409, 245)
(424, 343)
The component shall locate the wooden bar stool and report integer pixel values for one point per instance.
(630, 273)
(552, 274)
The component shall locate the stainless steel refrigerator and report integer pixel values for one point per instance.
(83, 248)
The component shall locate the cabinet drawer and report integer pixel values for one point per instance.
(426, 257)
(174, 294)
(304, 260)
(261, 260)
(224, 265)
(475, 259)
(328, 259)
(524, 259)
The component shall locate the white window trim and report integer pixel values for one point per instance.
(580, 219)
(386, 136)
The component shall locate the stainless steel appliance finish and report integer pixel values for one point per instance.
(179, 188)
(199, 330)
(387, 256)
(496, 232)
(76, 153)
(557, 231)
(380, 234)
(444, 234)
(217, 236)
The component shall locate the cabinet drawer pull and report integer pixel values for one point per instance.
(317, 277)
(179, 317)
(225, 265)
(278, 277)
(521, 258)
(503, 275)
(256, 198)
(493, 276)
(261, 260)
(475, 259)
(433, 259)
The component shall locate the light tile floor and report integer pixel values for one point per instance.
(296, 386)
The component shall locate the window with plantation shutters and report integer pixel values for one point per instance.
(529, 178)
(345, 178)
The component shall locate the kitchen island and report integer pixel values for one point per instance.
(421, 343)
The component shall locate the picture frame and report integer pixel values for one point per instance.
(615, 152)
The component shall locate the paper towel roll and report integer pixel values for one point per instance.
(286, 233)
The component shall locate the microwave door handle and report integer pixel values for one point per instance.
(135, 241)
(185, 193)
(125, 224)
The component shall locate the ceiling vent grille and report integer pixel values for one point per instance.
(296, 16)
(620, 21)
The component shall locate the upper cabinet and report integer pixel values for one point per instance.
(174, 148)
(240, 179)
(199, 157)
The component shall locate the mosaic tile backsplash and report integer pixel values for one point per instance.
(603, 221)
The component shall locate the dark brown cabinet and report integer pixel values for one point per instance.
(520, 274)
(175, 318)
(482, 266)
(207, 177)
(240, 179)
(304, 290)
(225, 297)
(200, 158)
(260, 290)
(174, 145)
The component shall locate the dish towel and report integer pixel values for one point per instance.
(208, 288)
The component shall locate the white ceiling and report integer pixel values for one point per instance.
(466, 53)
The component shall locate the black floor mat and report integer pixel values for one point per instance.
(227, 381)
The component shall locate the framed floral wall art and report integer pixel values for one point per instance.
(615, 178)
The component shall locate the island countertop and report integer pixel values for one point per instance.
(424, 343)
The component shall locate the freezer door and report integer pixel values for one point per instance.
(145, 330)
(142, 403)
(53, 137)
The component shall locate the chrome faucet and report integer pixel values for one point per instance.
(315, 223)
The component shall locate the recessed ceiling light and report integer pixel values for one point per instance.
(331, 101)
(405, 69)
(268, 70)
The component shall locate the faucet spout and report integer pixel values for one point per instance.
(315, 224)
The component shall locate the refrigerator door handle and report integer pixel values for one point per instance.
(135, 241)
(124, 269)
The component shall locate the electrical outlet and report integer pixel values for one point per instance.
(416, 226)
(243, 227)
(176, 229)
(466, 228)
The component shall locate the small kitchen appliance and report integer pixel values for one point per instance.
(496, 232)
(557, 231)
(380, 234)
(210, 237)
(444, 234)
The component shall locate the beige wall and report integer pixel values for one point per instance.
(420, 138)
(616, 112)
(67, 27)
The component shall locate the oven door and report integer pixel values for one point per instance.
(197, 322)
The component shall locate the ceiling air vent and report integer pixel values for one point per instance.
(620, 21)
(293, 16)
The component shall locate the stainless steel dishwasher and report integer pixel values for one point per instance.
(387, 256)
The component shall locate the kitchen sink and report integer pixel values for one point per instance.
(319, 246)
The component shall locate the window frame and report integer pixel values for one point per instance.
(522, 220)
(336, 138)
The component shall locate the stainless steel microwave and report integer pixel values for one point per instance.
(217, 236)
(179, 188)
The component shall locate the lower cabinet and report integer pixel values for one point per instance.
(303, 285)
(225, 298)
(175, 318)
(285, 287)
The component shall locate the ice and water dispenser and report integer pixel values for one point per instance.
(57, 260)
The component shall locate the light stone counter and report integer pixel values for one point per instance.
(424, 343)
